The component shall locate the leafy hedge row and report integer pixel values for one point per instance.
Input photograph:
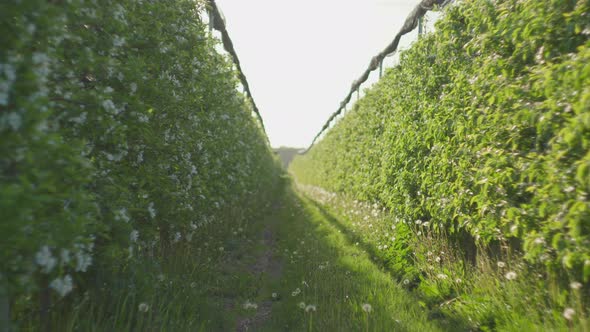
(121, 134)
(484, 127)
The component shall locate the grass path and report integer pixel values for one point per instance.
(293, 269)
(304, 273)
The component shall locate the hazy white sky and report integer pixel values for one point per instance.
(300, 57)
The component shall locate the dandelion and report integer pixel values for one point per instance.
(511, 275)
(62, 285)
(501, 264)
(437, 259)
(250, 305)
(458, 280)
(569, 313)
(575, 285)
(539, 240)
(302, 305)
(367, 307)
(406, 282)
(143, 307)
(310, 307)
(441, 276)
(296, 292)
(275, 295)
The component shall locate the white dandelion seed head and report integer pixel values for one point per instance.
(511, 275)
(249, 305)
(143, 307)
(501, 264)
(296, 292)
(275, 295)
(569, 313)
(301, 305)
(575, 285)
(367, 307)
(310, 308)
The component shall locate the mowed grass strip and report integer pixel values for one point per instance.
(330, 283)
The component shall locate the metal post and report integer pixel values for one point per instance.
(420, 26)
(210, 21)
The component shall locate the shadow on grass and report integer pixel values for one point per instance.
(435, 315)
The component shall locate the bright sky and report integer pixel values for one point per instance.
(300, 57)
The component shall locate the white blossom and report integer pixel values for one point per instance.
(118, 41)
(134, 236)
(152, 210)
(121, 214)
(109, 106)
(45, 259)
(65, 256)
(8, 71)
(62, 285)
(83, 261)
